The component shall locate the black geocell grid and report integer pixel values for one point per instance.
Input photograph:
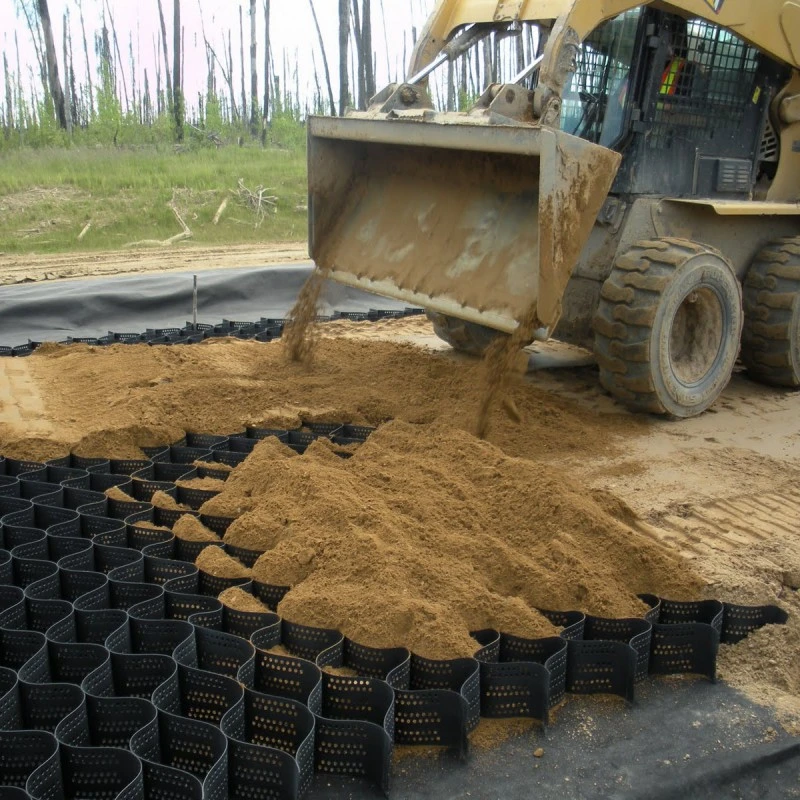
(122, 675)
(263, 330)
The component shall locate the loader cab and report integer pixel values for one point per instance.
(685, 102)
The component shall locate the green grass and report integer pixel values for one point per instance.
(47, 196)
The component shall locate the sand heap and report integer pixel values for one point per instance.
(248, 481)
(427, 533)
(147, 396)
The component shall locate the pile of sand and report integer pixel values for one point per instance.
(248, 481)
(427, 533)
(765, 665)
(190, 529)
(240, 600)
(147, 396)
(167, 502)
(215, 561)
(115, 493)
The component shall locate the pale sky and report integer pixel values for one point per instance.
(292, 30)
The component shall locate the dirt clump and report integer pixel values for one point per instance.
(167, 502)
(240, 600)
(428, 533)
(191, 529)
(215, 561)
(115, 493)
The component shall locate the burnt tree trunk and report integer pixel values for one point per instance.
(241, 55)
(360, 72)
(267, 77)
(366, 49)
(167, 74)
(344, 37)
(177, 93)
(119, 57)
(69, 111)
(324, 59)
(53, 79)
(9, 98)
(88, 64)
(253, 71)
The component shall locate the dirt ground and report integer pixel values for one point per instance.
(29, 268)
(721, 490)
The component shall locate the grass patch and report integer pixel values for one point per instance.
(47, 196)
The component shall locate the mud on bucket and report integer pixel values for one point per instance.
(474, 220)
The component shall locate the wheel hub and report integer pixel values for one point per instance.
(696, 335)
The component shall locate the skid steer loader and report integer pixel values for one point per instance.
(634, 189)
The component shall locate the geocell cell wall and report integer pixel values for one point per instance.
(122, 675)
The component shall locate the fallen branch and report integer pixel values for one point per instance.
(258, 201)
(85, 230)
(222, 206)
(178, 237)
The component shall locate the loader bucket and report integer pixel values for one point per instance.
(473, 220)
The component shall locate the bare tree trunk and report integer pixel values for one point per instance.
(88, 63)
(344, 36)
(360, 72)
(53, 79)
(119, 56)
(68, 110)
(147, 103)
(366, 49)
(38, 44)
(267, 78)
(253, 71)
(324, 59)
(241, 54)
(183, 60)
(177, 92)
(73, 87)
(9, 98)
(166, 57)
(451, 87)
(389, 75)
(234, 107)
(226, 69)
(132, 61)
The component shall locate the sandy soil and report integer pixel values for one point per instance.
(30, 268)
(721, 489)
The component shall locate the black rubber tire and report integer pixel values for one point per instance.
(466, 337)
(668, 327)
(771, 336)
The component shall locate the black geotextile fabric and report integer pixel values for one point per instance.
(122, 675)
(56, 310)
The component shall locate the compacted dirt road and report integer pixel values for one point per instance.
(30, 268)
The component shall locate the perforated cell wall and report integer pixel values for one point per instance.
(122, 675)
